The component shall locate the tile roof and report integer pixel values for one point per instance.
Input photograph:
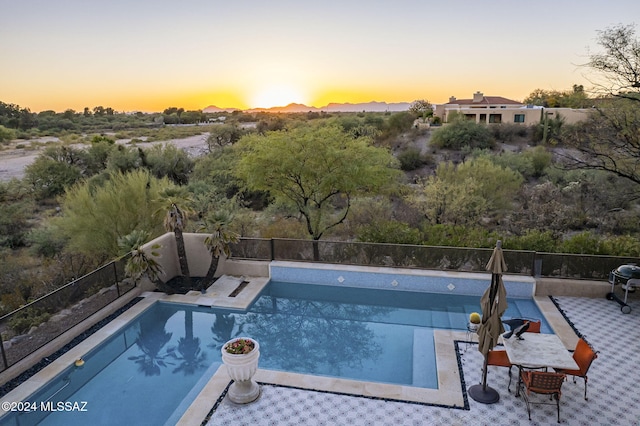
(486, 100)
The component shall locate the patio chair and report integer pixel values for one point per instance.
(534, 326)
(541, 382)
(499, 358)
(583, 355)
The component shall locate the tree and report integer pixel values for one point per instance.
(218, 242)
(316, 169)
(94, 218)
(609, 140)
(421, 109)
(617, 67)
(222, 135)
(140, 263)
(575, 98)
(175, 203)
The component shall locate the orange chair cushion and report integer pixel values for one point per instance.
(498, 358)
(534, 326)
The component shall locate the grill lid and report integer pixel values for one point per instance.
(627, 271)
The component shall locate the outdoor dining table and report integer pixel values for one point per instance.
(537, 350)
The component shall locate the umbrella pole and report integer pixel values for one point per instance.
(481, 392)
(491, 308)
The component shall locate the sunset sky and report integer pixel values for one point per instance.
(150, 55)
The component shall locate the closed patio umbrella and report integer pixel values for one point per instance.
(493, 304)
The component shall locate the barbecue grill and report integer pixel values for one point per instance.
(629, 278)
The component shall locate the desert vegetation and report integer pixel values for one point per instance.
(373, 177)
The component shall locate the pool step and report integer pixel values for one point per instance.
(423, 357)
(457, 318)
(440, 319)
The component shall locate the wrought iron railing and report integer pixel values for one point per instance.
(39, 322)
(537, 264)
(32, 326)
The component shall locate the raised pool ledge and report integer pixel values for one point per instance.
(429, 281)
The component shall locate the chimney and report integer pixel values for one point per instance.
(478, 97)
(452, 99)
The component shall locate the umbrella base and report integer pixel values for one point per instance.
(483, 394)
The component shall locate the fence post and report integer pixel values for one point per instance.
(115, 276)
(4, 355)
(272, 249)
(537, 265)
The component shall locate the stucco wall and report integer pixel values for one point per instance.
(199, 258)
(576, 288)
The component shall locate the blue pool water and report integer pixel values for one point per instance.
(151, 371)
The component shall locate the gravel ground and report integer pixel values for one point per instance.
(17, 347)
(13, 160)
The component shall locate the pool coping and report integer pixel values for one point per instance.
(450, 392)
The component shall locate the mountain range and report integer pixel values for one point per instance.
(332, 107)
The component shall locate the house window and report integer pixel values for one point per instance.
(518, 118)
(483, 118)
(495, 118)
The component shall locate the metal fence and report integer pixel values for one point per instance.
(32, 326)
(549, 265)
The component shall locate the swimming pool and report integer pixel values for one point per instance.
(164, 357)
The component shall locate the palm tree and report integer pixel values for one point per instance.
(140, 263)
(151, 339)
(188, 350)
(175, 204)
(218, 242)
(223, 329)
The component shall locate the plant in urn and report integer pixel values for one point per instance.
(241, 355)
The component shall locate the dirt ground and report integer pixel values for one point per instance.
(14, 160)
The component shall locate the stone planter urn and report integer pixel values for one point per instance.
(240, 355)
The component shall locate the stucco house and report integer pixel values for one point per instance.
(496, 110)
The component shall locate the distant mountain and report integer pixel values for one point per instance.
(213, 108)
(332, 107)
(369, 107)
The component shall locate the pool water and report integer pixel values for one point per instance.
(152, 370)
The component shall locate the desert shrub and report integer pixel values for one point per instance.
(169, 161)
(14, 223)
(6, 135)
(31, 317)
(531, 163)
(507, 132)
(50, 177)
(582, 243)
(621, 245)
(459, 236)
(410, 159)
(532, 239)
(389, 231)
(46, 242)
(461, 133)
(283, 227)
(539, 158)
